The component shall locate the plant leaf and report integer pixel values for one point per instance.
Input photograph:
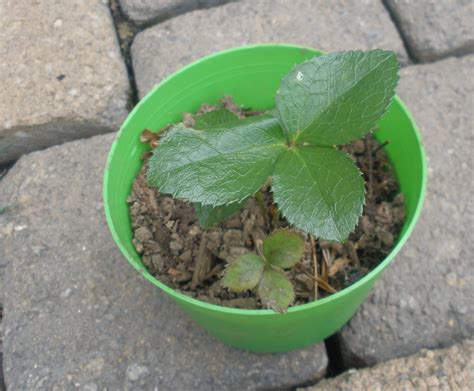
(319, 190)
(283, 248)
(209, 215)
(336, 98)
(244, 273)
(214, 118)
(275, 290)
(218, 166)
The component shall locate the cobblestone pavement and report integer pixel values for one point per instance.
(71, 304)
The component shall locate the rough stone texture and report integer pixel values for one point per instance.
(425, 297)
(77, 315)
(63, 76)
(335, 25)
(435, 29)
(144, 12)
(444, 369)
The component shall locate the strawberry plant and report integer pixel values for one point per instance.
(280, 250)
(223, 160)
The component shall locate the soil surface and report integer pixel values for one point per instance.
(174, 249)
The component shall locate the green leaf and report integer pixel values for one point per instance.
(218, 166)
(214, 118)
(209, 215)
(275, 290)
(336, 98)
(244, 273)
(319, 190)
(283, 248)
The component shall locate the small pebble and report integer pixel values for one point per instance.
(176, 245)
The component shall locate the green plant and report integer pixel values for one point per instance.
(327, 101)
(280, 250)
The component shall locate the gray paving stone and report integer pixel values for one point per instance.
(435, 29)
(77, 316)
(144, 12)
(335, 25)
(63, 76)
(425, 297)
(443, 369)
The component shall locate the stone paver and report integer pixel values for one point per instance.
(144, 12)
(77, 316)
(444, 369)
(335, 25)
(425, 298)
(435, 29)
(62, 74)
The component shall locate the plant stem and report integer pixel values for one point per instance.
(383, 145)
(325, 268)
(261, 204)
(202, 263)
(315, 266)
(352, 253)
(275, 216)
(368, 146)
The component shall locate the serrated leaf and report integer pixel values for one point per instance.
(218, 166)
(244, 273)
(283, 248)
(275, 290)
(214, 118)
(209, 215)
(319, 190)
(337, 98)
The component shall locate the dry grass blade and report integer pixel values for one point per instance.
(325, 268)
(315, 266)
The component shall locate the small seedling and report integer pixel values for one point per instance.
(223, 160)
(282, 249)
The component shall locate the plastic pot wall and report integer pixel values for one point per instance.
(252, 75)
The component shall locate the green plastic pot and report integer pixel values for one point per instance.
(252, 75)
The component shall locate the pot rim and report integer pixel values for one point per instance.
(259, 312)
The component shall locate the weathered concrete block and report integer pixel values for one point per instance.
(77, 315)
(334, 25)
(143, 12)
(435, 29)
(63, 76)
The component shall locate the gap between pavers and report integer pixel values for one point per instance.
(337, 25)
(145, 13)
(447, 369)
(433, 30)
(77, 314)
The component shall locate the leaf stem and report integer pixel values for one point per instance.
(368, 146)
(315, 266)
(261, 204)
(203, 265)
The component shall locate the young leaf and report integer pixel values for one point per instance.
(319, 190)
(214, 118)
(210, 215)
(283, 248)
(336, 98)
(275, 290)
(218, 166)
(244, 273)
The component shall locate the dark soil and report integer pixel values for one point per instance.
(168, 236)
